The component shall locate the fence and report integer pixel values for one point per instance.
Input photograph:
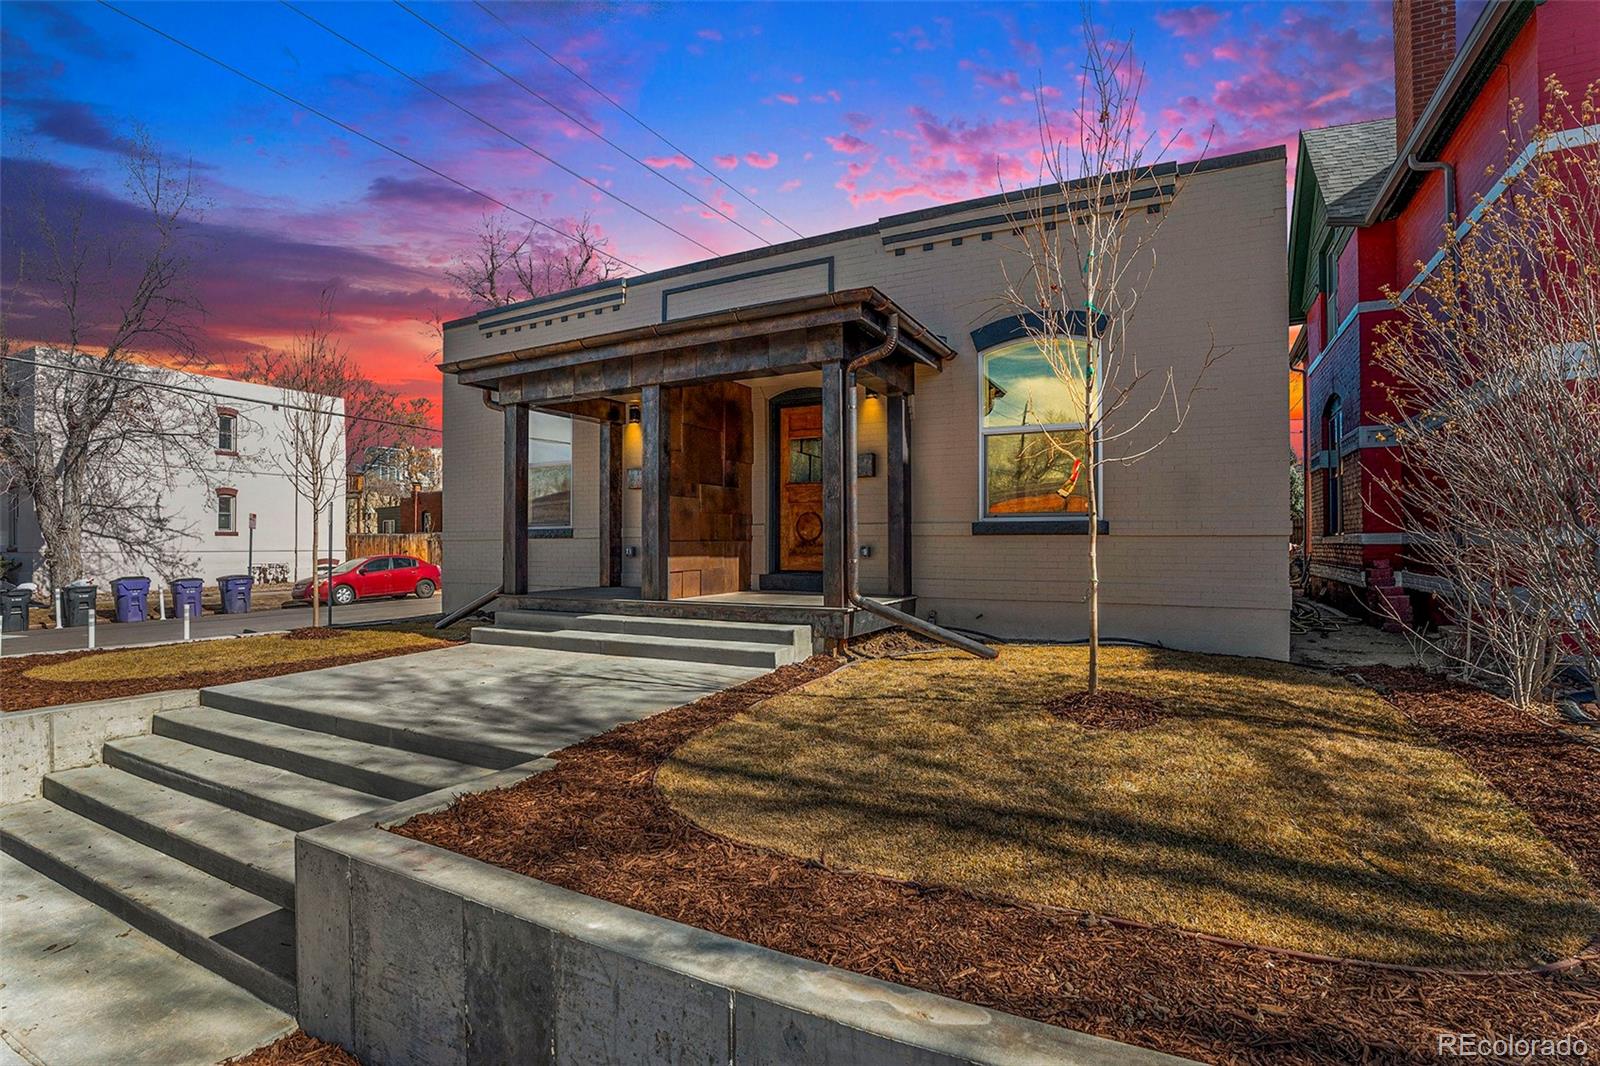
(425, 546)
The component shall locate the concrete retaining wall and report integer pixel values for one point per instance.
(412, 954)
(38, 742)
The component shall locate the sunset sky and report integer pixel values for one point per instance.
(826, 116)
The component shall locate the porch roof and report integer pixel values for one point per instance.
(756, 339)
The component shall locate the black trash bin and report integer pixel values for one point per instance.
(133, 598)
(235, 589)
(77, 604)
(14, 609)
(186, 596)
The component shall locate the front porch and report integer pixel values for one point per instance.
(679, 406)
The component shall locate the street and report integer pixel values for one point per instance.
(127, 634)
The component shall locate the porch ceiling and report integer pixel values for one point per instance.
(755, 340)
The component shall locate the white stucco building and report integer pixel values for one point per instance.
(237, 476)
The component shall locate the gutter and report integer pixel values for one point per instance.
(1485, 43)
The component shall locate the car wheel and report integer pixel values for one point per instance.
(425, 589)
(344, 595)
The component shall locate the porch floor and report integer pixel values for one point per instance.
(791, 608)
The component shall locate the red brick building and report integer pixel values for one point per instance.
(1370, 203)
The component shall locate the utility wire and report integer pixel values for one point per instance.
(198, 391)
(413, 160)
(537, 95)
(616, 104)
(508, 136)
(475, 116)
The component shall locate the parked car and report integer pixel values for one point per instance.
(374, 577)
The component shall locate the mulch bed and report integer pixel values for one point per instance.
(1106, 709)
(313, 633)
(1548, 771)
(297, 1049)
(597, 824)
(24, 693)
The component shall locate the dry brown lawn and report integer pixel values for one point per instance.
(170, 660)
(49, 680)
(1269, 804)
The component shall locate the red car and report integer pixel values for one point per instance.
(373, 577)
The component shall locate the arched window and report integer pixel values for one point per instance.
(1333, 468)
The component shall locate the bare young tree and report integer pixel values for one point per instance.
(1088, 256)
(509, 264)
(1493, 365)
(95, 426)
(314, 375)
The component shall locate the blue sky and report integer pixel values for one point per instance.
(825, 115)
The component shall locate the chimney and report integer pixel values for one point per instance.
(1424, 45)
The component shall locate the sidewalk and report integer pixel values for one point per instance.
(128, 634)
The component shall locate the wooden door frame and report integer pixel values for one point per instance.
(801, 397)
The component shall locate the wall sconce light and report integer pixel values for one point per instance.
(633, 414)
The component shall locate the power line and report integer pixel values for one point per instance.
(579, 122)
(616, 104)
(198, 391)
(365, 136)
(479, 118)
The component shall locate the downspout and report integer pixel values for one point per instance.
(1418, 166)
(1305, 479)
(852, 548)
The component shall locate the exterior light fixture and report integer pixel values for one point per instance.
(633, 414)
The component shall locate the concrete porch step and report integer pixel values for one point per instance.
(640, 645)
(795, 636)
(234, 933)
(275, 795)
(255, 855)
(372, 768)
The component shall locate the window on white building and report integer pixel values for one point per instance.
(549, 471)
(227, 511)
(1031, 431)
(227, 430)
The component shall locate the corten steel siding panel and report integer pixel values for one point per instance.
(1199, 529)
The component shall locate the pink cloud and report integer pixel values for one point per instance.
(1228, 52)
(709, 35)
(791, 185)
(1189, 21)
(787, 98)
(726, 162)
(762, 160)
(859, 122)
(847, 143)
(664, 162)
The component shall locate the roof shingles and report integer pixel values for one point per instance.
(1350, 163)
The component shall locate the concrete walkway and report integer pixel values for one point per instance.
(186, 836)
(82, 988)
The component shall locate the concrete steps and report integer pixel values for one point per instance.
(187, 833)
(254, 855)
(750, 644)
(353, 764)
(235, 933)
(282, 797)
(369, 729)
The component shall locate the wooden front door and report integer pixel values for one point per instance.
(799, 515)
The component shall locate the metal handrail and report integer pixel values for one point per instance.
(461, 612)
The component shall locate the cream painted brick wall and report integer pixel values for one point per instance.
(1198, 530)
